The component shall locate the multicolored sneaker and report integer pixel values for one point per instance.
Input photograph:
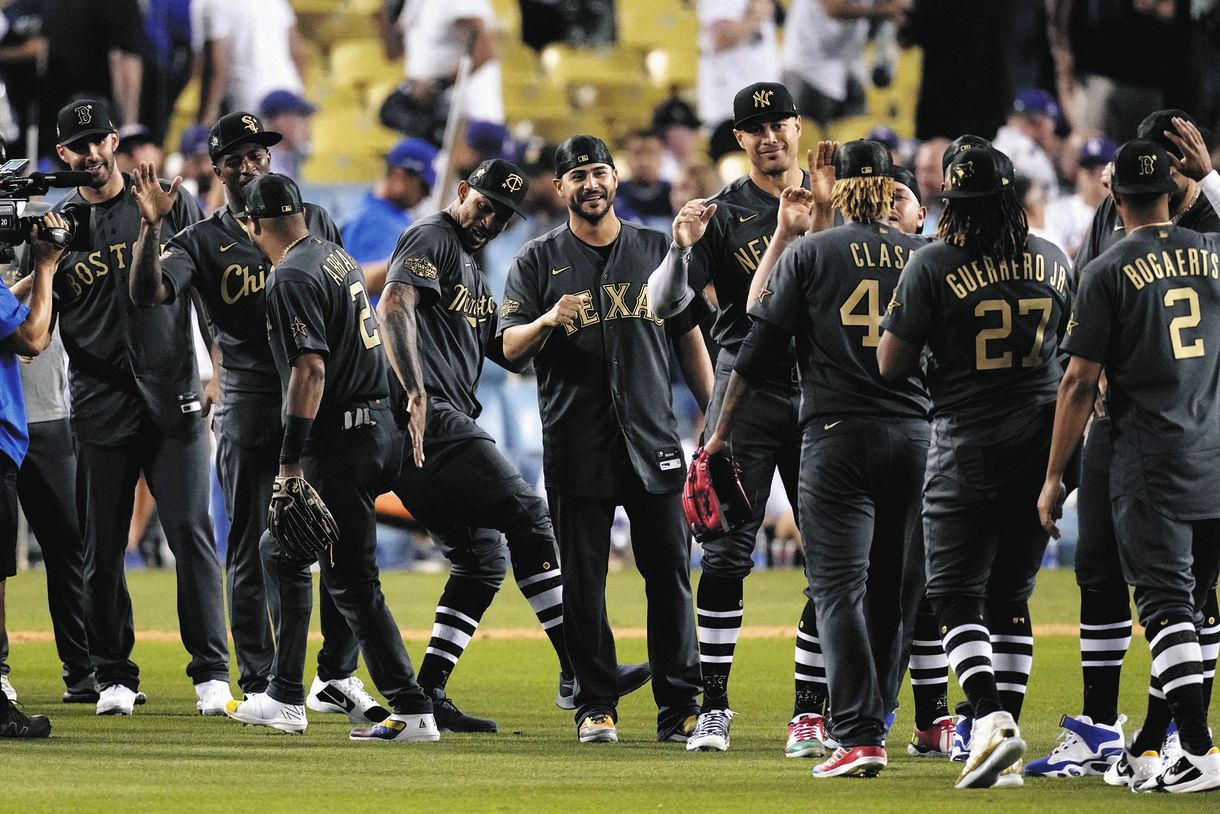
(711, 731)
(597, 728)
(1012, 777)
(959, 750)
(1084, 749)
(995, 744)
(1130, 770)
(1188, 773)
(399, 728)
(1171, 748)
(858, 761)
(806, 736)
(935, 741)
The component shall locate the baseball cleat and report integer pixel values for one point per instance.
(117, 699)
(451, 719)
(597, 728)
(1011, 777)
(935, 741)
(84, 691)
(212, 696)
(1130, 769)
(682, 731)
(400, 728)
(6, 687)
(1084, 749)
(630, 678)
(345, 696)
(995, 745)
(260, 709)
(1188, 773)
(856, 761)
(711, 731)
(806, 733)
(16, 724)
(1171, 749)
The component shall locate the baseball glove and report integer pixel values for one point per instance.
(713, 500)
(299, 520)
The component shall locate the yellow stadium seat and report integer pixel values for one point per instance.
(657, 24)
(351, 130)
(565, 64)
(732, 166)
(362, 62)
(670, 67)
(527, 98)
(853, 127)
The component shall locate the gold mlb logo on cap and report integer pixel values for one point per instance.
(251, 123)
(513, 182)
(866, 170)
(84, 114)
(582, 158)
(286, 208)
(762, 98)
(1147, 164)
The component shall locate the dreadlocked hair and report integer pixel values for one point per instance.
(993, 226)
(864, 200)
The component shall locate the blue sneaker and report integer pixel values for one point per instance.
(1084, 749)
(960, 750)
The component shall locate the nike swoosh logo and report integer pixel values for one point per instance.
(832, 426)
(560, 271)
(224, 249)
(741, 219)
(333, 696)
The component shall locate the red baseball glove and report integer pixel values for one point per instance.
(713, 500)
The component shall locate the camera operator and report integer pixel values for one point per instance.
(26, 331)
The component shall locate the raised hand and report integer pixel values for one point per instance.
(1196, 160)
(795, 216)
(691, 222)
(822, 171)
(153, 201)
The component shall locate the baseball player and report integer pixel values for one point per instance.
(721, 241)
(1093, 741)
(136, 408)
(439, 322)
(1148, 311)
(339, 434)
(217, 258)
(990, 302)
(865, 441)
(577, 303)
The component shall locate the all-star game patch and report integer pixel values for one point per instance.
(509, 306)
(420, 267)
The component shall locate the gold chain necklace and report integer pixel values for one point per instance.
(288, 248)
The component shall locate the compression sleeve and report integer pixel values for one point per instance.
(765, 343)
(669, 288)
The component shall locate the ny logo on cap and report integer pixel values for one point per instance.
(762, 98)
(513, 182)
(963, 171)
(84, 114)
(251, 123)
(1147, 164)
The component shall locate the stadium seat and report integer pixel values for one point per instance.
(362, 62)
(677, 66)
(656, 24)
(565, 64)
(530, 98)
(732, 166)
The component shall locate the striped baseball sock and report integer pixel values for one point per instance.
(967, 643)
(812, 694)
(1156, 720)
(1178, 664)
(1105, 636)
(1209, 645)
(1012, 653)
(719, 610)
(458, 613)
(541, 582)
(929, 668)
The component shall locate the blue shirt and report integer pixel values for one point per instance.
(14, 436)
(372, 231)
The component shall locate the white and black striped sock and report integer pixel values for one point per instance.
(1012, 654)
(544, 591)
(461, 606)
(1177, 662)
(809, 666)
(967, 643)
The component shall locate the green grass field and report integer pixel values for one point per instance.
(166, 757)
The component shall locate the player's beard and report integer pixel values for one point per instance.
(593, 218)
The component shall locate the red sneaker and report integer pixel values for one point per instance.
(935, 741)
(858, 761)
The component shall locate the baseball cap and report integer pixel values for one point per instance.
(885, 135)
(132, 136)
(488, 138)
(977, 173)
(285, 101)
(674, 112)
(502, 181)
(1036, 102)
(81, 119)
(272, 196)
(416, 155)
(1153, 128)
(1142, 165)
(1096, 152)
(194, 140)
(580, 150)
(960, 145)
(762, 102)
(862, 158)
(904, 176)
(238, 127)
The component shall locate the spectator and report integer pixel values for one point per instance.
(1029, 139)
(252, 49)
(168, 60)
(136, 145)
(22, 47)
(541, 211)
(195, 168)
(887, 136)
(678, 126)
(824, 54)
(288, 113)
(737, 46)
(697, 180)
(484, 140)
(435, 34)
(93, 49)
(1068, 218)
(643, 197)
(1032, 195)
(372, 231)
(931, 178)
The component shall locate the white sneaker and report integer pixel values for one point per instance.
(6, 687)
(995, 745)
(260, 709)
(345, 696)
(711, 731)
(1084, 748)
(1171, 749)
(399, 728)
(1130, 769)
(1188, 773)
(116, 700)
(1012, 777)
(212, 697)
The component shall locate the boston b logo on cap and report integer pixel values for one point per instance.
(1141, 166)
(81, 119)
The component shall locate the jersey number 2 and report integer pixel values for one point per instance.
(982, 360)
(1188, 320)
(371, 340)
(870, 292)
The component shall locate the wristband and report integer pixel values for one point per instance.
(296, 433)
